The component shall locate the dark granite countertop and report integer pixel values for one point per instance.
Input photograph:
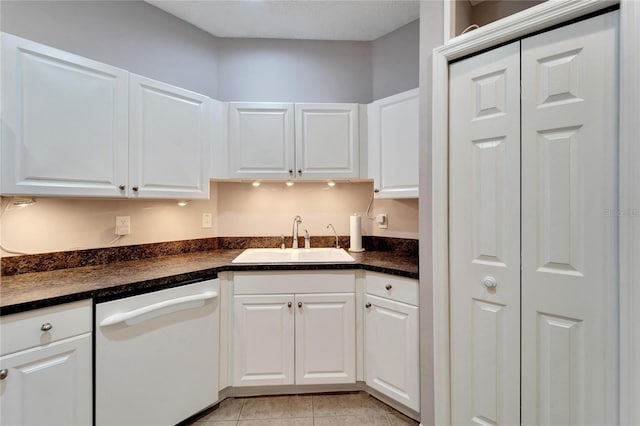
(39, 289)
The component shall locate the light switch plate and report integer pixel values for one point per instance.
(207, 219)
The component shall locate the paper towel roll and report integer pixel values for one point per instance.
(355, 232)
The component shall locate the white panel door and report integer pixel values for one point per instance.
(48, 385)
(569, 287)
(393, 145)
(484, 237)
(169, 141)
(392, 350)
(327, 141)
(64, 129)
(325, 338)
(261, 140)
(263, 340)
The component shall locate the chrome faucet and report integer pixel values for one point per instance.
(336, 234)
(296, 221)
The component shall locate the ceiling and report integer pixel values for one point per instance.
(362, 20)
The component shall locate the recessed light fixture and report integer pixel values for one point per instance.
(289, 183)
(23, 202)
(331, 183)
(182, 203)
(255, 183)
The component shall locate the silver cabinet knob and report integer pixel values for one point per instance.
(290, 172)
(489, 282)
(368, 305)
(4, 373)
(299, 171)
(46, 326)
(121, 187)
(299, 304)
(135, 189)
(388, 286)
(288, 304)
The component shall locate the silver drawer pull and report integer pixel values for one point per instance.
(299, 304)
(289, 304)
(388, 286)
(46, 326)
(4, 373)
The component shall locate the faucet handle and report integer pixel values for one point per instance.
(282, 245)
(307, 239)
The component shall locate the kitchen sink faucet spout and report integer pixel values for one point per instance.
(296, 222)
(336, 234)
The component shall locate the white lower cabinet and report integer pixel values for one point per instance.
(325, 338)
(263, 340)
(45, 367)
(282, 337)
(391, 338)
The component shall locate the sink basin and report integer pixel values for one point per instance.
(276, 255)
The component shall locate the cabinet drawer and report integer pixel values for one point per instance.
(392, 287)
(25, 329)
(294, 282)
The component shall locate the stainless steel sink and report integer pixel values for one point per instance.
(276, 255)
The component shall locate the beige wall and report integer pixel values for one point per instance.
(61, 224)
(270, 208)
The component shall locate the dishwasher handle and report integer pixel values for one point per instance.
(151, 311)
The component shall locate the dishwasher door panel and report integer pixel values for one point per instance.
(157, 355)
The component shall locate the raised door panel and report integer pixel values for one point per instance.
(393, 145)
(392, 350)
(327, 141)
(484, 237)
(569, 145)
(261, 139)
(325, 338)
(48, 385)
(263, 340)
(64, 126)
(169, 141)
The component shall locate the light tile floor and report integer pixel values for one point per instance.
(357, 408)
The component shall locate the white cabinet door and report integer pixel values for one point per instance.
(569, 280)
(263, 340)
(261, 140)
(393, 145)
(48, 385)
(327, 141)
(325, 338)
(484, 241)
(64, 126)
(169, 141)
(392, 350)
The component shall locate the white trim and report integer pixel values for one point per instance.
(516, 26)
(629, 220)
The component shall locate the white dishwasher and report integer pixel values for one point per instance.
(157, 355)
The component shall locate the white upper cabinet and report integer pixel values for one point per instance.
(261, 140)
(169, 141)
(285, 141)
(64, 126)
(393, 145)
(327, 141)
(77, 127)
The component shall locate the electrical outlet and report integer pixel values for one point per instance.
(123, 225)
(207, 219)
(382, 221)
